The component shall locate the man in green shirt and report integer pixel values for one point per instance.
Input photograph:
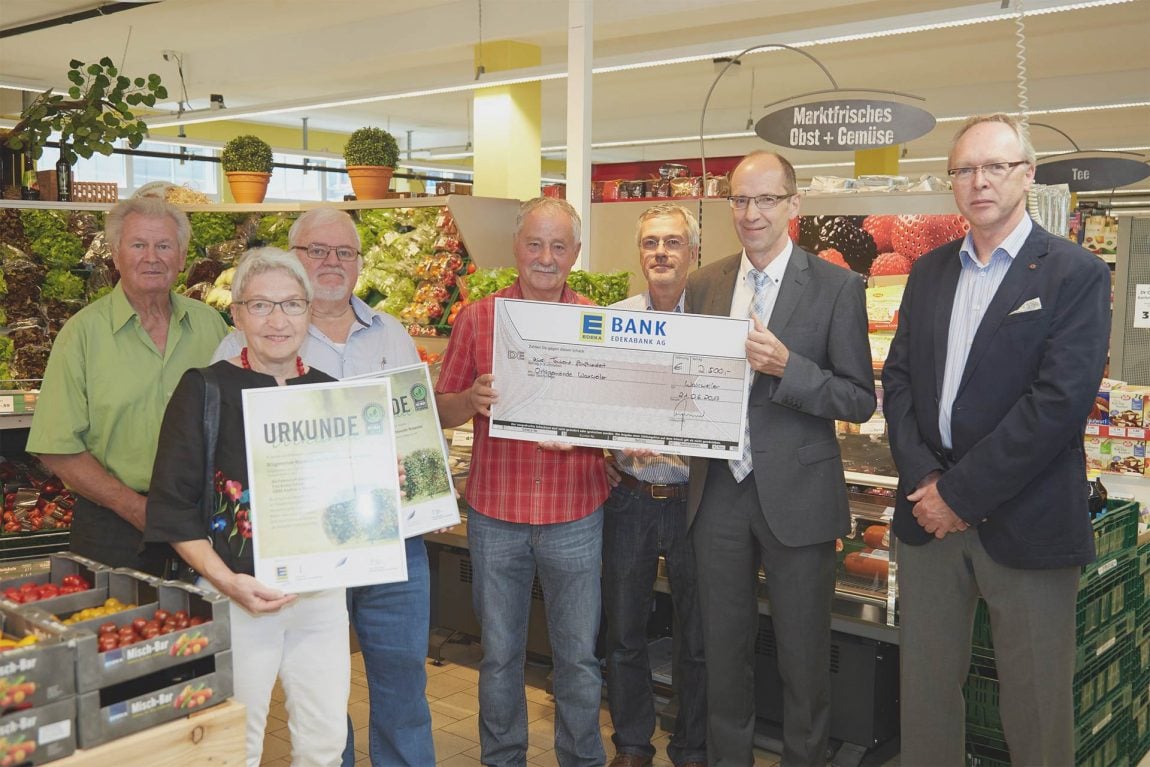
(112, 369)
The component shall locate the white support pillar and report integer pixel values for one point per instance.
(580, 40)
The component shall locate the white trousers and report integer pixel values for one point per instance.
(306, 645)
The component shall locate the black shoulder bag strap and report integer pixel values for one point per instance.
(211, 430)
(211, 433)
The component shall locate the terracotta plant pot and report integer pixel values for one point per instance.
(248, 187)
(370, 182)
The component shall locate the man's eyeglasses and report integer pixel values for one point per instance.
(994, 170)
(319, 252)
(762, 201)
(651, 244)
(261, 308)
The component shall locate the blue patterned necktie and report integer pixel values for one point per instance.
(741, 466)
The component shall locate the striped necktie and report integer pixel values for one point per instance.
(741, 466)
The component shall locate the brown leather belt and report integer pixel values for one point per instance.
(658, 492)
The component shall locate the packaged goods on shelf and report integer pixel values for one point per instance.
(34, 501)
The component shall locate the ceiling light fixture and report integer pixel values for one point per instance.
(911, 23)
(205, 116)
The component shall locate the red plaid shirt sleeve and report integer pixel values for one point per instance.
(512, 480)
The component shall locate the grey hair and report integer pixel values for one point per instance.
(670, 210)
(259, 261)
(553, 204)
(1021, 132)
(317, 217)
(147, 207)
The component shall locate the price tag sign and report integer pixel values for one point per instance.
(1142, 306)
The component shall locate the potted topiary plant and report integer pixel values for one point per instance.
(371, 155)
(247, 161)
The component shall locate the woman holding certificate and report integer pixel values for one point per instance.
(301, 638)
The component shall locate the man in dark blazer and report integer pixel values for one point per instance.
(812, 366)
(1000, 348)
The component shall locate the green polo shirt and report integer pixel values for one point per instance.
(107, 385)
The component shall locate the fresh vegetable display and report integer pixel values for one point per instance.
(31, 591)
(603, 289)
(484, 282)
(111, 606)
(8, 643)
(109, 635)
(61, 284)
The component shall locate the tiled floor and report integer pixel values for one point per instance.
(452, 690)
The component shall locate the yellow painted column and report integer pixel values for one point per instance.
(877, 162)
(507, 125)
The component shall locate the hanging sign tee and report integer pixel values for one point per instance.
(844, 124)
(1091, 171)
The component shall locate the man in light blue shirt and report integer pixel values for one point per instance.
(645, 517)
(348, 338)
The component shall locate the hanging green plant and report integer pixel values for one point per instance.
(95, 113)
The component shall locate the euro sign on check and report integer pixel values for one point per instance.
(614, 378)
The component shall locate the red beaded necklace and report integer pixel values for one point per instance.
(248, 366)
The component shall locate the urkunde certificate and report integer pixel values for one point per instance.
(590, 375)
(428, 502)
(324, 485)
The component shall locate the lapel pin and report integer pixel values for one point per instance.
(1032, 266)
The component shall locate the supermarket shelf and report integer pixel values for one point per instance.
(15, 421)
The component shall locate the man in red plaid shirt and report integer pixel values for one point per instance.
(531, 506)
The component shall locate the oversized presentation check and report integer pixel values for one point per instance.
(591, 375)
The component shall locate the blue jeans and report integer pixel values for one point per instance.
(392, 621)
(636, 530)
(504, 558)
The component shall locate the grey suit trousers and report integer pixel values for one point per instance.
(1032, 622)
(731, 539)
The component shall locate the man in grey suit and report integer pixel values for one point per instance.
(783, 505)
(1000, 346)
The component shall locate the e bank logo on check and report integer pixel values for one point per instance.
(631, 331)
